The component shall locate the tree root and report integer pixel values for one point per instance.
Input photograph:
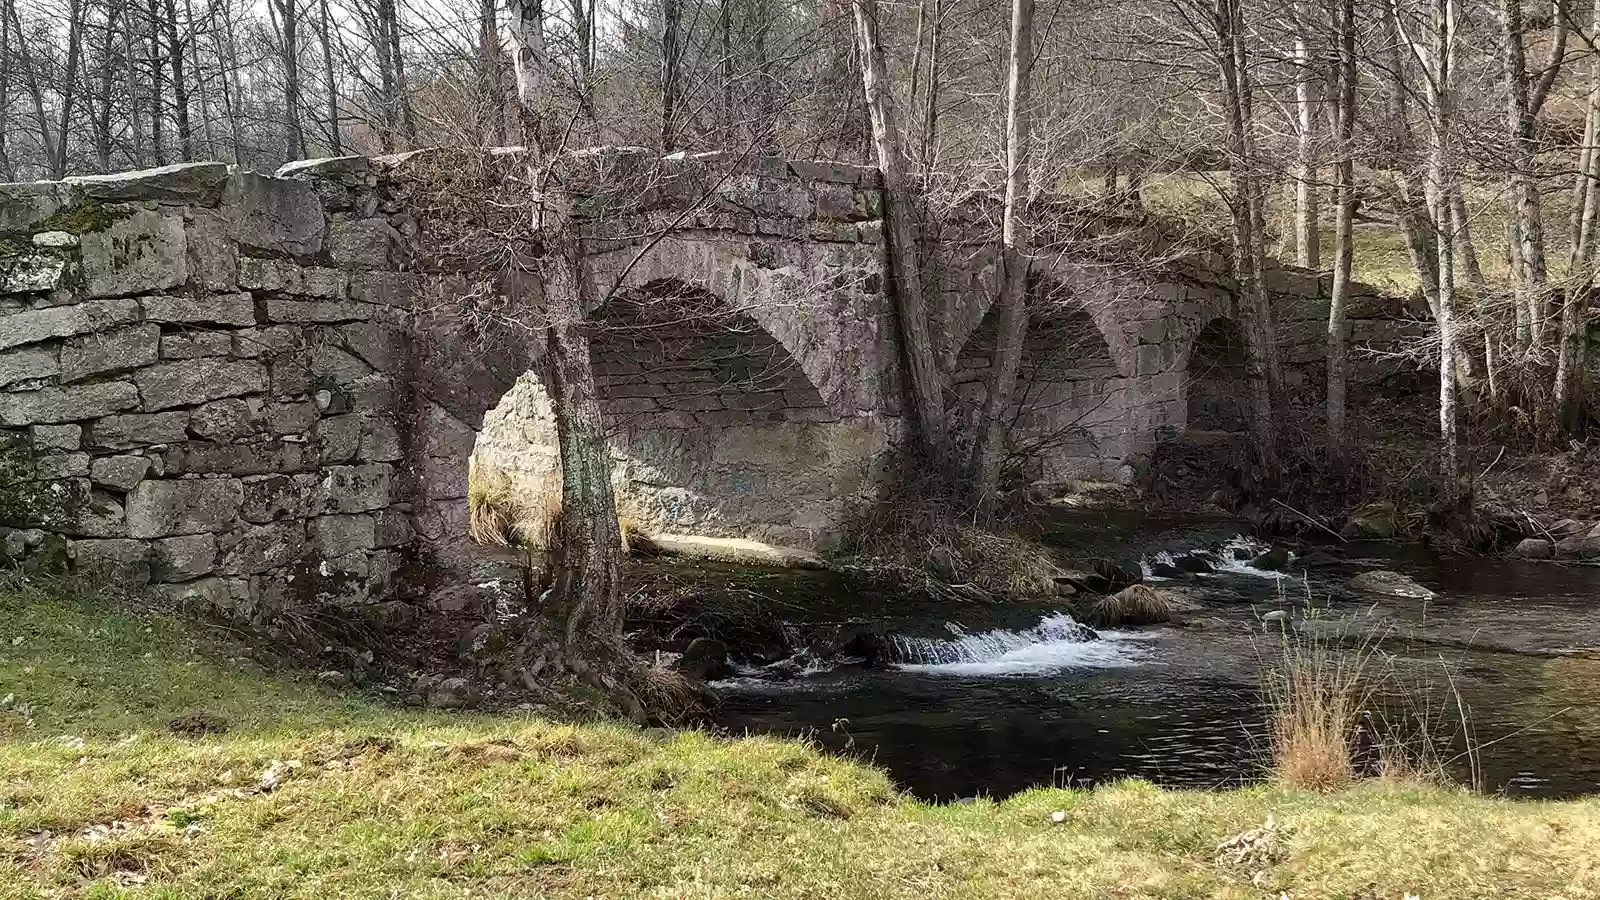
(641, 692)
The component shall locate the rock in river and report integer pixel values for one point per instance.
(1389, 584)
(1534, 548)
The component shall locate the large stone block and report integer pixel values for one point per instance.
(197, 380)
(315, 311)
(213, 255)
(31, 273)
(61, 465)
(183, 558)
(338, 535)
(187, 506)
(261, 548)
(25, 205)
(109, 351)
(198, 182)
(279, 276)
(276, 215)
(219, 309)
(196, 344)
(28, 364)
(56, 437)
(138, 254)
(67, 404)
(37, 325)
(351, 489)
(270, 497)
(262, 458)
(125, 559)
(119, 472)
(362, 244)
(226, 420)
(138, 430)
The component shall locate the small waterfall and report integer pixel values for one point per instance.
(1232, 556)
(988, 645)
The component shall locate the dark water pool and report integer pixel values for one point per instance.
(1000, 710)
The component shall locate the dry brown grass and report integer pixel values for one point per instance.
(504, 511)
(1139, 604)
(1315, 699)
(923, 538)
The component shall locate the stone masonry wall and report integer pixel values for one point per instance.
(197, 383)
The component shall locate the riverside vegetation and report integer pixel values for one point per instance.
(142, 756)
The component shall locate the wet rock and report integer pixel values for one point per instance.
(705, 659)
(451, 693)
(1112, 576)
(1317, 559)
(1564, 528)
(1580, 546)
(1389, 584)
(1192, 564)
(1534, 548)
(1271, 561)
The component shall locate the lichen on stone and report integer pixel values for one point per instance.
(85, 217)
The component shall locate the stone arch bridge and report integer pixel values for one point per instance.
(249, 390)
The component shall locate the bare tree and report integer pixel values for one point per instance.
(1344, 15)
(1013, 299)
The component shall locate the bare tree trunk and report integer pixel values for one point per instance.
(207, 121)
(586, 596)
(1344, 224)
(730, 118)
(287, 19)
(330, 87)
(1571, 350)
(8, 171)
(1524, 101)
(930, 103)
(131, 73)
(176, 58)
(1307, 234)
(1248, 252)
(489, 73)
(232, 96)
(402, 93)
(926, 385)
(1441, 99)
(1465, 248)
(1012, 331)
(669, 75)
(157, 113)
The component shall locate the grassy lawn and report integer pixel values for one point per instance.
(99, 798)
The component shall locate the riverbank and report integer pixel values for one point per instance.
(141, 757)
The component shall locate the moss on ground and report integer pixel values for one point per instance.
(100, 798)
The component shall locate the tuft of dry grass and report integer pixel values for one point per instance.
(1138, 604)
(929, 541)
(509, 512)
(1316, 696)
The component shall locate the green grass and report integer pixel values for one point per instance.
(99, 799)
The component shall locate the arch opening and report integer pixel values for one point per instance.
(713, 426)
(1217, 393)
(1067, 419)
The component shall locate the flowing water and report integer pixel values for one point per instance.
(991, 701)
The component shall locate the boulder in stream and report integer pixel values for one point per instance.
(705, 659)
(1584, 545)
(1534, 548)
(1389, 584)
(1271, 561)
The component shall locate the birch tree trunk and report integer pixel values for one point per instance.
(1344, 224)
(1525, 98)
(925, 383)
(1307, 234)
(1440, 179)
(1012, 330)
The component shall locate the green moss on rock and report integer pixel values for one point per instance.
(82, 218)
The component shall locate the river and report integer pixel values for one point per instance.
(989, 700)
